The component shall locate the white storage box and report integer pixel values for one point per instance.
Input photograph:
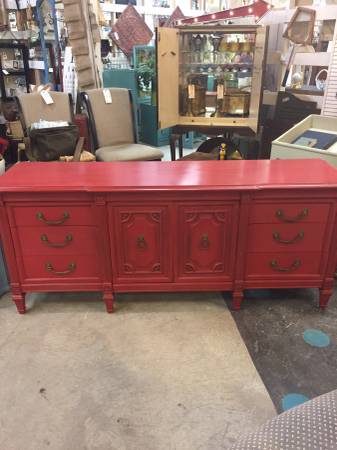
(282, 147)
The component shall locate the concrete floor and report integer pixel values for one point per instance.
(166, 371)
(272, 323)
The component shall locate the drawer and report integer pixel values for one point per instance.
(289, 213)
(41, 216)
(285, 237)
(60, 267)
(58, 240)
(283, 265)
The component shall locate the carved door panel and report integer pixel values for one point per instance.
(142, 252)
(207, 242)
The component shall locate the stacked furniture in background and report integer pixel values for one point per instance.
(84, 34)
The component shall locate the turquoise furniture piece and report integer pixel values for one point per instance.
(149, 134)
(122, 78)
(188, 140)
(4, 287)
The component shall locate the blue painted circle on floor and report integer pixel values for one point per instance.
(291, 400)
(316, 338)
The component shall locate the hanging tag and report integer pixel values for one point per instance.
(191, 91)
(107, 95)
(219, 91)
(47, 97)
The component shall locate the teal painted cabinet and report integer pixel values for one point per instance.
(149, 134)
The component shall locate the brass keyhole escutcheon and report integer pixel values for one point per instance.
(204, 241)
(141, 243)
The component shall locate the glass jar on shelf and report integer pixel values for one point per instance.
(244, 78)
(231, 79)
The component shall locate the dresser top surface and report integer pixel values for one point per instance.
(179, 175)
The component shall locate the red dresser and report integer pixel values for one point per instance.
(169, 226)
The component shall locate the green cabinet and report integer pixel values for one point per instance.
(149, 133)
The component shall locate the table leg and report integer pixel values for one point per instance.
(180, 140)
(173, 139)
(108, 298)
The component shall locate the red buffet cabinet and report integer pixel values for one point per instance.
(173, 226)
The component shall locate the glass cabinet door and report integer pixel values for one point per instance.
(215, 73)
(210, 75)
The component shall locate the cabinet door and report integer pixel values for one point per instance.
(207, 241)
(168, 77)
(141, 243)
(258, 69)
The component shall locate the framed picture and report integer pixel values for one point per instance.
(316, 139)
(144, 64)
(142, 54)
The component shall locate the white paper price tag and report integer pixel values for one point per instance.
(47, 97)
(219, 91)
(107, 95)
(191, 91)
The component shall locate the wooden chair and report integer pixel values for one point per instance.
(32, 108)
(113, 127)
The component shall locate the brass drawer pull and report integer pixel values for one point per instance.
(40, 216)
(204, 242)
(297, 238)
(295, 265)
(71, 268)
(280, 215)
(141, 243)
(67, 240)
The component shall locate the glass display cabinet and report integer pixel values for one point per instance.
(210, 76)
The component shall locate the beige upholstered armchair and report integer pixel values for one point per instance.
(113, 127)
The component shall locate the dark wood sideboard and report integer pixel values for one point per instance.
(169, 226)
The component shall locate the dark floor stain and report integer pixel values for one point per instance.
(43, 392)
(123, 421)
(272, 323)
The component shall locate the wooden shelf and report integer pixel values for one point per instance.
(306, 90)
(231, 65)
(12, 72)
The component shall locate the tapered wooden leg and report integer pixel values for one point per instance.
(237, 300)
(173, 139)
(20, 302)
(109, 301)
(180, 141)
(324, 297)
